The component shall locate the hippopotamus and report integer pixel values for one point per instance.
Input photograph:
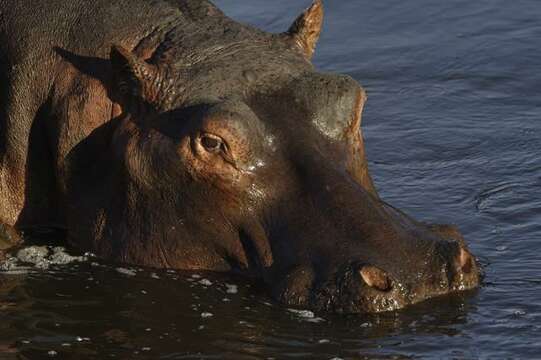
(165, 134)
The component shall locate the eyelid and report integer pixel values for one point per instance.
(212, 136)
(217, 137)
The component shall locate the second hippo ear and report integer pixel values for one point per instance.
(133, 78)
(306, 29)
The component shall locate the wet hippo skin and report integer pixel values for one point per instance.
(164, 134)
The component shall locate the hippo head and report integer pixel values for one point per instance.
(233, 154)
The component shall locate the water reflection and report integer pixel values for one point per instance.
(87, 310)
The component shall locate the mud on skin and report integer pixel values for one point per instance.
(172, 136)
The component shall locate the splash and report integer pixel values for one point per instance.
(34, 258)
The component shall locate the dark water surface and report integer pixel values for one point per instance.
(453, 134)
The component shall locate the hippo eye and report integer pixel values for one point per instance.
(212, 143)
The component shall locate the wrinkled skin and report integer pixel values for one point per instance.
(171, 136)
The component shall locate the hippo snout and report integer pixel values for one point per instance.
(350, 252)
(361, 287)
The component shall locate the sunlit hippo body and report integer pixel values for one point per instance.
(164, 134)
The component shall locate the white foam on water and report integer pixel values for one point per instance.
(33, 258)
(306, 315)
(205, 282)
(125, 271)
(60, 257)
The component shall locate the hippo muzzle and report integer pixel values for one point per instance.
(355, 253)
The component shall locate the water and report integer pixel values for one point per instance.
(453, 134)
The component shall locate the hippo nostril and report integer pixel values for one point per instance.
(375, 277)
(465, 261)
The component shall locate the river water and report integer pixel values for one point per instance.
(453, 134)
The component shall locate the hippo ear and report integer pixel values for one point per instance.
(306, 29)
(133, 78)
